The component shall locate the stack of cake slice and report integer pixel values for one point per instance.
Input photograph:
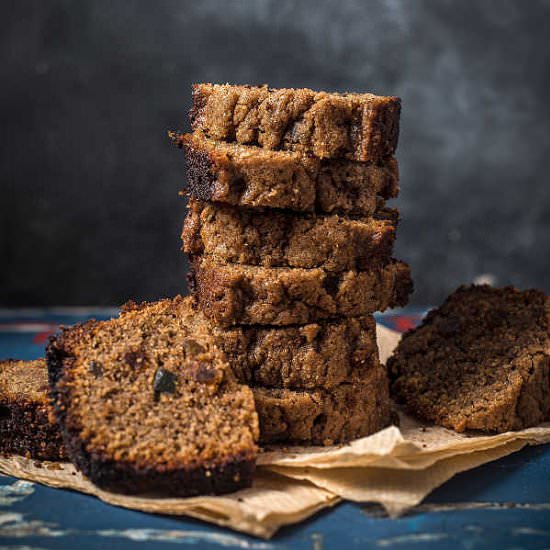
(290, 246)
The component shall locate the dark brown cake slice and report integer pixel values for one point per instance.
(147, 403)
(317, 355)
(325, 417)
(255, 177)
(27, 423)
(281, 239)
(481, 361)
(362, 127)
(232, 294)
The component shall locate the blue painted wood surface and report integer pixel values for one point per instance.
(504, 504)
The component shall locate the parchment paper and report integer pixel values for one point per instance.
(397, 467)
(273, 500)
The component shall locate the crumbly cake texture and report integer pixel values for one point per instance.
(255, 177)
(481, 361)
(232, 294)
(317, 355)
(322, 417)
(361, 127)
(281, 239)
(148, 404)
(27, 423)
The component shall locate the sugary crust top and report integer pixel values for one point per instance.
(208, 88)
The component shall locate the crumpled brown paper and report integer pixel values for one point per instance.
(396, 467)
(273, 500)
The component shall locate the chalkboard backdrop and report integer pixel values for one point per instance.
(89, 204)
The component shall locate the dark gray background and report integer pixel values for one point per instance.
(89, 207)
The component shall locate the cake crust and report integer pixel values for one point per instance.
(256, 177)
(361, 127)
(235, 294)
(481, 361)
(281, 239)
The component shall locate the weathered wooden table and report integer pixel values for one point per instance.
(504, 504)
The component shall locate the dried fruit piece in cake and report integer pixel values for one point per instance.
(147, 403)
(255, 177)
(273, 238)
(232, 294)
(481, 361)
(354, 126)
(27, 423)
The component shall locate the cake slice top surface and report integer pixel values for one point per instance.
(150, 388)
(297, 92)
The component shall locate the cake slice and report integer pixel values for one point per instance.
(325, 417)
(256, 177)
(27, 423)
(313, 356)
(481, 361)
(280, 239)
(232, 294)
(362, 127)
(148, 404)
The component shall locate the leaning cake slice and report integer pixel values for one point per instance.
(481, 361)
(147, 403)
(27, 423)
